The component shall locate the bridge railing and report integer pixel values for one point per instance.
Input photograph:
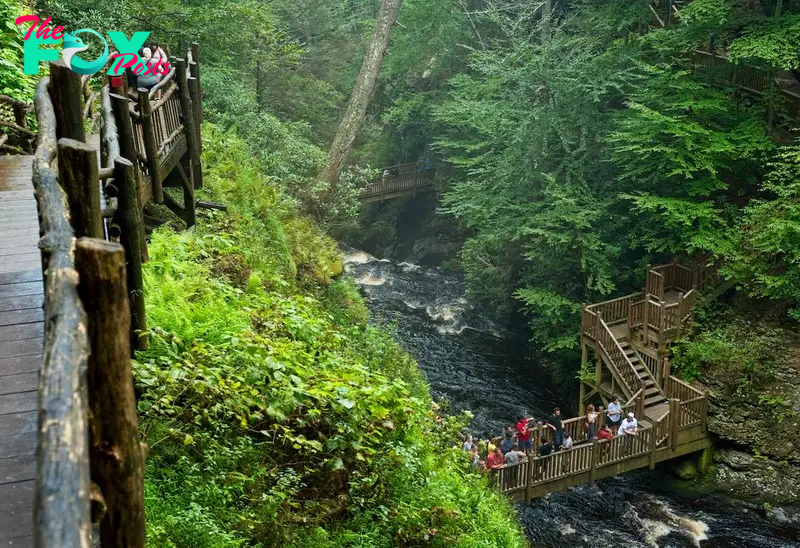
(16, 126)
(399, 179)
(589, 458)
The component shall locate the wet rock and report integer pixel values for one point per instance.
(754, 477)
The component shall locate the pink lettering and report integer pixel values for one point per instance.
(132, 58)
(43, 30)
(25, 19)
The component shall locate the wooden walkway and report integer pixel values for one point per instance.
(21, 326)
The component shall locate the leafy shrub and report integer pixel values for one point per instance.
(274, 415)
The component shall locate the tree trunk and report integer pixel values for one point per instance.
(362, 92)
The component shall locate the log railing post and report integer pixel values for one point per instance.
(674, 422)
(77, 173)
(129, 217)
(529, 484)
(653, 444)
(116, 457)
(66, 90)
(188, 122)
(662, 325)
(595, 458)
(640, 401)
(150, 145)
(197, 99)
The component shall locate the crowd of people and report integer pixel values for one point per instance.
(518, 442)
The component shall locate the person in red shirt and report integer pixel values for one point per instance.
(604, 433)
(524, 435)
(495, 459)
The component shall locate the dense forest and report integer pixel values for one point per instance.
(576, 143)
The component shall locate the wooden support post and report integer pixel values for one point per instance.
(197, 100)
(674, 422)
(704, 412)
(581, 396)
(646, 326)
(66, 92)
(127, 150)
(595, 458)
(529, 484)
(539, 436)
(150, 145)
(77, 173)
(598, 372)
(194, 92)
(640, 401)
(129, 218)
(662, 326)
(116, 456)
(653, 445)
(188, 123)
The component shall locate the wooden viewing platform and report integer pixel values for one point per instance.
(401, 180)
(629, 338)
(71, 297)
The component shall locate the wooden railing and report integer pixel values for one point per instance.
(616, 355)
(615, 310)
(676, 276)
(398, 180)
(94, 302)
(673, 433)
(676, 388)
(16, 135)
(654, 284)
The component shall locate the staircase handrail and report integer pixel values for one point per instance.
(617, 357)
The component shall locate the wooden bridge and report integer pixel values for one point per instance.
(398, 181)
(72, 240)
(629, 338)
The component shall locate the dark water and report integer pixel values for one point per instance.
(476, 365)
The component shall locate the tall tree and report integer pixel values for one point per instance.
(362, 92)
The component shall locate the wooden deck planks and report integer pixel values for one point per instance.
(21, 330)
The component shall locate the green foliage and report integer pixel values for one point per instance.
(745, 351)
(274, 415)
(13, 81)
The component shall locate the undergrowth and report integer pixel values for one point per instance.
(274, 414)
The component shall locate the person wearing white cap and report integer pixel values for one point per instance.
(629, 426)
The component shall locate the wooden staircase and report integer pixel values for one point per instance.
(630, 338)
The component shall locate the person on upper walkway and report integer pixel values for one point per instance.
(146, 79)
(555, 423)
(567, 442)
(546, 448)
(524, 434)
(468, 443)
(591, 422)
(475, 458)
(495, 459)
(629, 426)
(605, 433)
(614, 414)
(509, 440)
(514, 456)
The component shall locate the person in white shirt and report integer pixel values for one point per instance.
(629, 426)
(468, 444)
(614, 413)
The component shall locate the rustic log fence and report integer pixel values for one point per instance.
(16, 126)
(90, 462)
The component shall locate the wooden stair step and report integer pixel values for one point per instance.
(652, 390)
(654, 400)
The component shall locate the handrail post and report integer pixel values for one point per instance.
(667, 369)
(640, 401)
(653, 445)
(66, 92)
(150, 145)
(646, 314)
(188, 123)
(704, 412)
(662, 325)
(529, 485)
(674, 422)
(197, 98)
(598, 371)
(129, 218)
(595, 458)
(77, 173)
(116, 456)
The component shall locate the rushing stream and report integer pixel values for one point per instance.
(476, 365)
